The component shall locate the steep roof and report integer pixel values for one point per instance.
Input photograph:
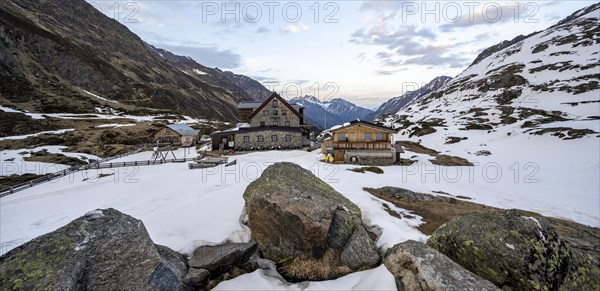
(249, 105)
(274, 95)
(183, 129)
(365, 123)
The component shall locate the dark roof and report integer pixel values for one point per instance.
(360, 122)
(183, 129)
(249, 105)
(274, 95)
(239, 130)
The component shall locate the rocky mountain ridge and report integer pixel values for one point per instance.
(393, 105)
(53, 52)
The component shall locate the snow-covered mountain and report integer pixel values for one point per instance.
(324, 114)
(546, 83)
(395, 104)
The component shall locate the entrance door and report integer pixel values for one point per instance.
(338, 155)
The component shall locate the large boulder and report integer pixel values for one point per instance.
(303, 224)
(415, 266)
(102, 250)
(515, 249)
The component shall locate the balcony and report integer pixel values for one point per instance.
(361, 145)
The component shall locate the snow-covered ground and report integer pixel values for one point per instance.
(12, 162)
(61, 131)
(184, 208)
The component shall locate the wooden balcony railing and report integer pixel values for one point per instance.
(370, 145)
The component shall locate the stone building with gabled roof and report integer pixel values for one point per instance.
(271, 124)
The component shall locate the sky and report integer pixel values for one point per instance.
(363, 51)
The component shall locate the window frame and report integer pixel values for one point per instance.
(260, 138)
(367, 135)
(275, 123)
(275, 112)
(274, 138)
(263, 124)
(287, 123)
(265, 112)
(341, 137)
(246, 139)
(288, 137)
(379, 136)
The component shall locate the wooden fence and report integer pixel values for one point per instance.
(101, 164)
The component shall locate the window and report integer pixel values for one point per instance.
(260, 138)
(275, 113)
(246, 139)
(341, 137)
(274, 138)
(288, 137)
(284, 112)
(367, 137)
(275, 123)
(262, 123)
(275, 103)
(379, 136)
(287, 123)
(266, 113)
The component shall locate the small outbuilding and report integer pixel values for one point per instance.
(176, 134)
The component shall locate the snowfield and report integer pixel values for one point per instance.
(184, 208)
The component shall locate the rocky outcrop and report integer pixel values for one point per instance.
(416, 266)
(214, 258)
(102, 250)
(515, 249)
(303, 224)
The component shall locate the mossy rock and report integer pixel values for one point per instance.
(514, 249)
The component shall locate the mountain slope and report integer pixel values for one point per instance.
(545, 83)
(53, 51)
(244, 87)
(328, 113)
(395, 104)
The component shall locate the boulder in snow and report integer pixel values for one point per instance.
(102, 250)
(305, 225)
(515, 249)
(416, 266)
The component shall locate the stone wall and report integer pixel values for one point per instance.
(370, 157)
(253, 143)
(280, 119)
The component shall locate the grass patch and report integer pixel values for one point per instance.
(376, 170)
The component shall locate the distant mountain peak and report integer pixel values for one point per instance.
(326, 113)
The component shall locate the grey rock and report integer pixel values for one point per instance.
(102, 250)
(360, 251)
(196, 277)
(295, 217)
(415, 266)
(515, 249)
(219, 258)
(173, 260)
(342, 227)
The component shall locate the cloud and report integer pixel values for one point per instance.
(494, 14)
(294, 28)
(375, 5)
(389, 72)
(209, 56)
(262, 29)
(453, 61)
(392, 38)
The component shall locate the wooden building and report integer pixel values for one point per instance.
(176, 134)
(361, 142)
